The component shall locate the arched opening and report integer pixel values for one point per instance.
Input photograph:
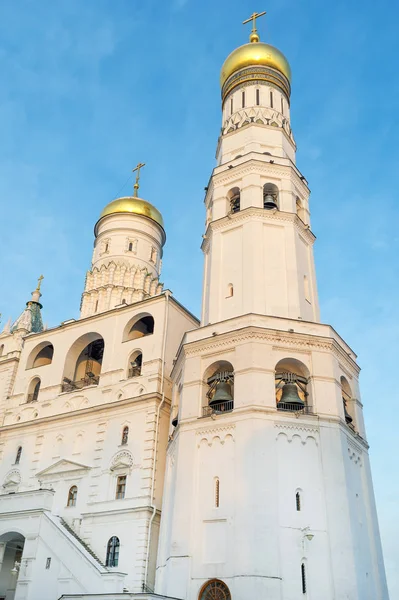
(112, 558)
(347, 401)
(230, 290)
(270, 196)
(41, 355)
(33, 390)
(234, 198)
(219, 388)
(135, 364)
(298, 501)
(300, 211)
(72, 496)
(12, 547)
(138, 327)
(215, 589)
(303, 578)
(125, 436)
(83, 362)
(291, 380)
(18, 455)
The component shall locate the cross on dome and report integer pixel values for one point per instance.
(136, 185)
(254, 37)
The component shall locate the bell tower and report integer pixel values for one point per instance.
(258, 244)
(268, 492)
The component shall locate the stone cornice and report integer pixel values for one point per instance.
(258, 214)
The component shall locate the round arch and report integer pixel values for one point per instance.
(214, 589)
(139, 326)
(84, 358)
(218, 387)
(41, 355)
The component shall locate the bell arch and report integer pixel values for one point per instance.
(83, 362)
(138, 327)
(292, 385)
(346, 394)
(40, 356)
(234, 200)
(218, 388)
(135, 364)
(270, 196)
(33, 390)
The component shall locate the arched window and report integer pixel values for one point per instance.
(214, 590)
(230, 290)
(120, 487)
(135, 364)
(72, 496)
(270, 196)
(346, 401)
(234, 198)
(83, 363)
(112, 558)
(34, 388)
(138, 328)
(303, 578)
(125, 435)
(292, 378)
(298, 501)
(217, 492)
(18, 455)
(219, 394)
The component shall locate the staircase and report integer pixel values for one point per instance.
(85, 546)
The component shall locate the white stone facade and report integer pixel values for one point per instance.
(141, 450)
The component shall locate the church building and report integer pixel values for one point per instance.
(147, 454)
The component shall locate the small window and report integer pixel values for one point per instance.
(48, 562)
(303, 578)
(230, 290)
(243, 99)
(112, 558)
(96, 306)
(257, 97)
(34, 389)
(306, 289)
(298, 501)
(106, 247)
(120, 487)
(217, 492)
(18, 455)
(1, 349)
(271, 99)
(282, 105)
(72, 496)
(136, 362)
(125, 436)
(130, 246)
(231, 106)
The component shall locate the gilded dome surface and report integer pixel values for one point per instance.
(253, 54)
(133, 205)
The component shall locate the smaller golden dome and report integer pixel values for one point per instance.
(133, 205)
(253, 54)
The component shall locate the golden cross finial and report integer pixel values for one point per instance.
(39, 282)
(254, 37)
(136, 185)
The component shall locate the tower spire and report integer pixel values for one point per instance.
(136, 185)
(254, 36)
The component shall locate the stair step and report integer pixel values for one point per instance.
(81, 542)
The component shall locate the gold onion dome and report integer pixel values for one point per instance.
(254, 54)
(135, 206)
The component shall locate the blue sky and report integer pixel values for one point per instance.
(90, 88)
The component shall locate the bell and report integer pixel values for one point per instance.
(222, 393)
(290, 399)
(348, 418)
(268, 201)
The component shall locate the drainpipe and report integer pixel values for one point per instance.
(154, 508)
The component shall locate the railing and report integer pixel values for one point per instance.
(218, 408)
(32, 397)
(70, 386)
(287, 407)
(134, 372)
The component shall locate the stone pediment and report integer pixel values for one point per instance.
(62, 468)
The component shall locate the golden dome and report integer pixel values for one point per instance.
(133, 205)
(254, 54)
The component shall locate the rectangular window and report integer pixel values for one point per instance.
(303, 577)
(282, 105)
(231, 106)
(243, 99)
(120, 487)
(257, 97)
(271, 99)
(48, 562)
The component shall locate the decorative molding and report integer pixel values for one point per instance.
(122, 460)
(257, 115)
(215, 430)
(12, 479)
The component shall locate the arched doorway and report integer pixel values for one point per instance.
(11, 549)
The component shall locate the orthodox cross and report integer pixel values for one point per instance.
(254, 33)
(39, 282)
(136, 185)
